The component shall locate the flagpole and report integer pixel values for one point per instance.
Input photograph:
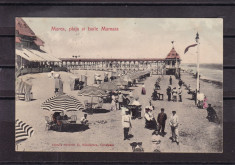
(198, 63)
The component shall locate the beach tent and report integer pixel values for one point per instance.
(84, 79)
(64, 102)
(23, 88)
(73, 80)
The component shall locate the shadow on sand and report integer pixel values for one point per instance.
(92, 111)
(71, 128)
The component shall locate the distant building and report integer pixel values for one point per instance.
(28, 50)
(172, 63)
(161, 66)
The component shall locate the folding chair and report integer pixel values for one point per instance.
(48, 123)
(73, 119)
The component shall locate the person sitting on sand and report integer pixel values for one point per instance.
(155, 95)
(211, 113)
(84, 120)
(180, 82)
(150, 121)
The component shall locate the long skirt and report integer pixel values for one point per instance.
(113, 106)
(143, 92)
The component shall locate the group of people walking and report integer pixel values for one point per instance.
(172, 93)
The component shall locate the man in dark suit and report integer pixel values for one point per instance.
(161, 119)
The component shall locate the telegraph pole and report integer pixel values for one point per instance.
(198, 61)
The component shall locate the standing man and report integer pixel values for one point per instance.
(120, 99)
(57, 85)
(161, 119)
(170, 80)
(180, 94)
(174, 127)
(126, 123)
(168, 92)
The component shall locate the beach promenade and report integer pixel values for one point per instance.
(196, 134)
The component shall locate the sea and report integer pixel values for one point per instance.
(210, 72)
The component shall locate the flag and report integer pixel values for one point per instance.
(186, 49)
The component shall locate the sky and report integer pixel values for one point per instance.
(135, 38)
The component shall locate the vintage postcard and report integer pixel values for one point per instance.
(119, 85)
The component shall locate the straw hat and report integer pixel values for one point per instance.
(125, 109)
(57, 75)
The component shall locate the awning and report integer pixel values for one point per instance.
(28, 55)
(45, 56)
(35, 56)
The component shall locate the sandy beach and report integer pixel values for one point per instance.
(197, 134)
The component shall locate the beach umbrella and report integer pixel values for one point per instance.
(120, 82)
(92, 91)
(127, 78)
(108, 86)
(23, 131)
(61, 103)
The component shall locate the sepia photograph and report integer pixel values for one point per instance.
(119, 85)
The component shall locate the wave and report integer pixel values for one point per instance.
(208, 72)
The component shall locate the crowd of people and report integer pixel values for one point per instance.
(119, 101)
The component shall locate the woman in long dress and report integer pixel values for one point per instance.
(205, 105)
(143, 91)
(113, 103)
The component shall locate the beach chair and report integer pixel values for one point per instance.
(87, 105)
(160, 96)
(99, 105)
(48, 123)
(73, 119)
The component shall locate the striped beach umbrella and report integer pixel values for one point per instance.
(22, 131)
(61, 103)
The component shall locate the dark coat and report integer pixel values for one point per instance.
(161, 120)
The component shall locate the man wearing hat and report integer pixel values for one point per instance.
(168, 92)
(126, 123)
(180, 94)
(161, 119)
(120, 99)
(174, 127)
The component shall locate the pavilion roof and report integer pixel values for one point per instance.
(173, 54)
(23, 28)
